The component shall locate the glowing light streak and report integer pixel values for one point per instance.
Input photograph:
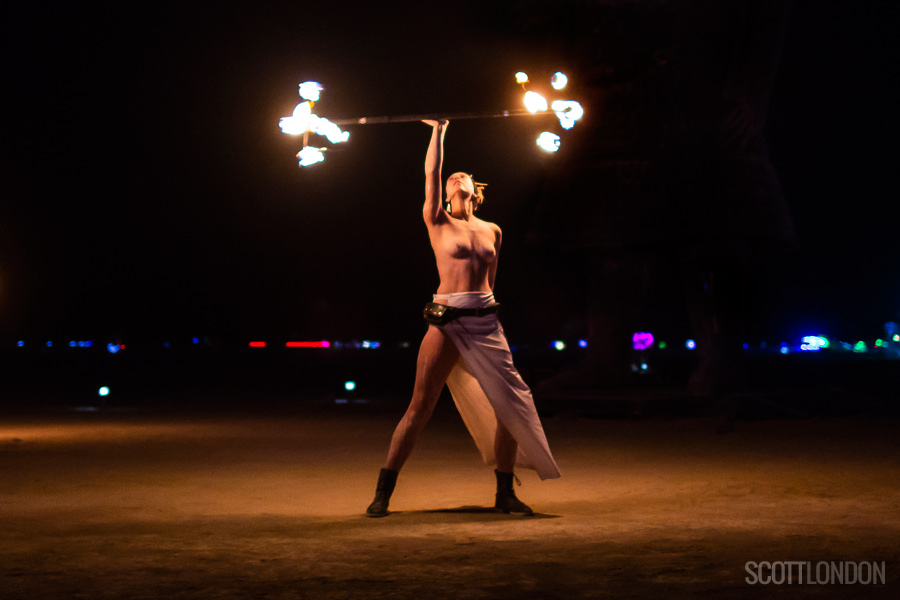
(534, 102)
(310, 156)
(559, 81)
(549, 142)
(257, 344)
(309, 90)
(567, 111)
(307, 345)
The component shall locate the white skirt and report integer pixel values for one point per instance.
(486, 387)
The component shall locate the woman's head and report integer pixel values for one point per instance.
(465, 184)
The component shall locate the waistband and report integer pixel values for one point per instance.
(466, 299)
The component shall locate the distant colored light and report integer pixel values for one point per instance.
(784, 350)
(21, 343)
(559, 81)
(662, 345)
(690, 344)
(72, 344)
(644, 366)
(879, 343)
(897, 337)
(559, 345)
(846, 346)
(340, 401)
(326, 344)
(641, 340)
(860, 346)
(814, 342)
(103, 391)
(521, 77)
(582, 343)
(257, 344)
(49, 344)
(349, 385)
(167, 345)
(745, 346)
(371, 345)
(195, 340)
(549, 142)
(306, 345)
(112, 348)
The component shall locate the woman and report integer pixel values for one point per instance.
(468, 353)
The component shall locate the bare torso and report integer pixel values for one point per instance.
(466, 254)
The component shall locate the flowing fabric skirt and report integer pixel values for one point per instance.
(486, 387)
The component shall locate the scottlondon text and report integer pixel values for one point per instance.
(794, 572)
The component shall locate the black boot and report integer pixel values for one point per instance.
(506, 498)
(387, 479)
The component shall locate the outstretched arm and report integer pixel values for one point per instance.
(433, 212)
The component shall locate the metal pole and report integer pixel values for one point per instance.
(436, 116)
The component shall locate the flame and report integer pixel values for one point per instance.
(521, 77)
(299, 122)
(309, 90)
(322, 126)
(567, 111)
(534, 102)
(559, 81)
(310, 156)
(548, 142)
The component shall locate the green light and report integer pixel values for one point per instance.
(662, 345)
(879, 343)
(860, 347)
(349, 385)
(559, 345)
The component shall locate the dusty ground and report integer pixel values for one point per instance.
(149, 504)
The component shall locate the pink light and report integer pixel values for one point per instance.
(641, 340)
(307, 344)
(257, 344)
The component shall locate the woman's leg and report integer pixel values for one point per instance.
(505, 447)
(437, 355)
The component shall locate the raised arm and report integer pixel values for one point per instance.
(492, 270)
(433, 212)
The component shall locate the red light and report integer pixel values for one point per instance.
(307, 344)
(257, 344)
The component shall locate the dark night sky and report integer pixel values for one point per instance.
(148, 191)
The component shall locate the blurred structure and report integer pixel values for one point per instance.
(671, 171)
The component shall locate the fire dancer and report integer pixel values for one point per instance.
(465, 346)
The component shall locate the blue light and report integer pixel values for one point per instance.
(745, 346)
(167, 345)
(103, 391)
(49, 344)
(112, 348)
(349, 385)
(784, 350)
(582, 343)
(21, 343)
(644, 366)
(690, 345)
(72, 344)
(196, 340)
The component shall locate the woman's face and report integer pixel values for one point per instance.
(460, 182)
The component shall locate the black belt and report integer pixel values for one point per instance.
(441, 314)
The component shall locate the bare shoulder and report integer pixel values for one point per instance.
(493, 227)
